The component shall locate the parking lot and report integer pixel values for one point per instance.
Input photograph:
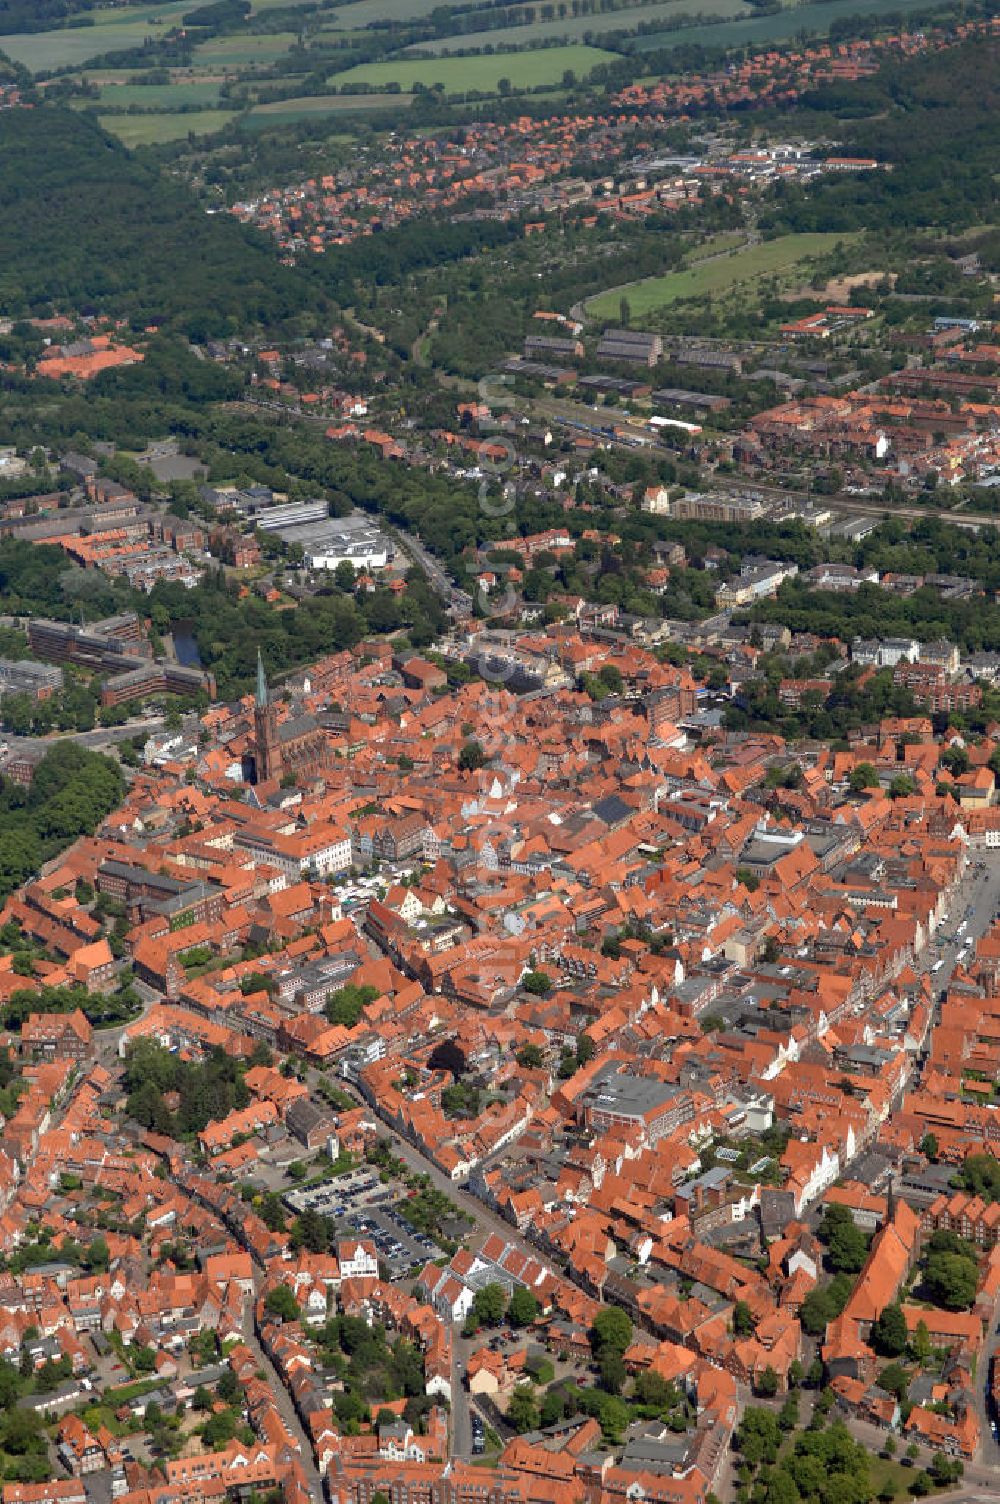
(360, 1205)
(344, 1196)
(401, 1247)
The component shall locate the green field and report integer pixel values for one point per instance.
(354, 14)
(169, 13)
(152, 129)
(244, 51)
(283, 111)
(575, 27)
(713, 276)
(811, 19)
(155, 96)
(42, 51)
(482, 74)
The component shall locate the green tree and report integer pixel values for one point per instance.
(951, 1280)
(522, 1308)
(489, 1305)
(862, 777)
(538, 982)
(654, 1390)
(742, 1319)
(611, 1332)
(921, 1342)
(788, 1415)
(522, 1412)
(282, 1303)
(611, 1367)
(847, 1246)
(472, 757)
(889, 1333)
(894, 1379)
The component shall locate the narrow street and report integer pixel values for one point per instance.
(461, 1415)
(282, 1398)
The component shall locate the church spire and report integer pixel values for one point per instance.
(261, 683)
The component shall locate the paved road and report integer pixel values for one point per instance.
(978, 896)
(989, 1454)
(101, 736)
(461, 1415)
(438, 578)
(109, 1040)
(979, 892)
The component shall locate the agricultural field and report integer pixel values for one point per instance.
(576, 27)
(46, 51)
(154, 96)
(356, 14)
(458, 75)
(711, 276)
(244, 51)
(154, 129)
(811, 19)
(309, 107)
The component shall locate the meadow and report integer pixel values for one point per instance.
(154, 129)
(308, 107)
(812, 19)
(155, 96)
(244, 51)
(458, 75)
(356, 14)
(576, 27)
(713, 276)
(45, 51)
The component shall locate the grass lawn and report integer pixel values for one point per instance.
(151, 130)
(713, 276)
(725, 240)
(281, 111)
(573, 28)
(461, 74)
(886, 1470)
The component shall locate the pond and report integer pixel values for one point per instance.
(185, 645)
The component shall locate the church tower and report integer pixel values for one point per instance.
(267, 747)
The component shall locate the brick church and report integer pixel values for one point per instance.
(298, 746)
